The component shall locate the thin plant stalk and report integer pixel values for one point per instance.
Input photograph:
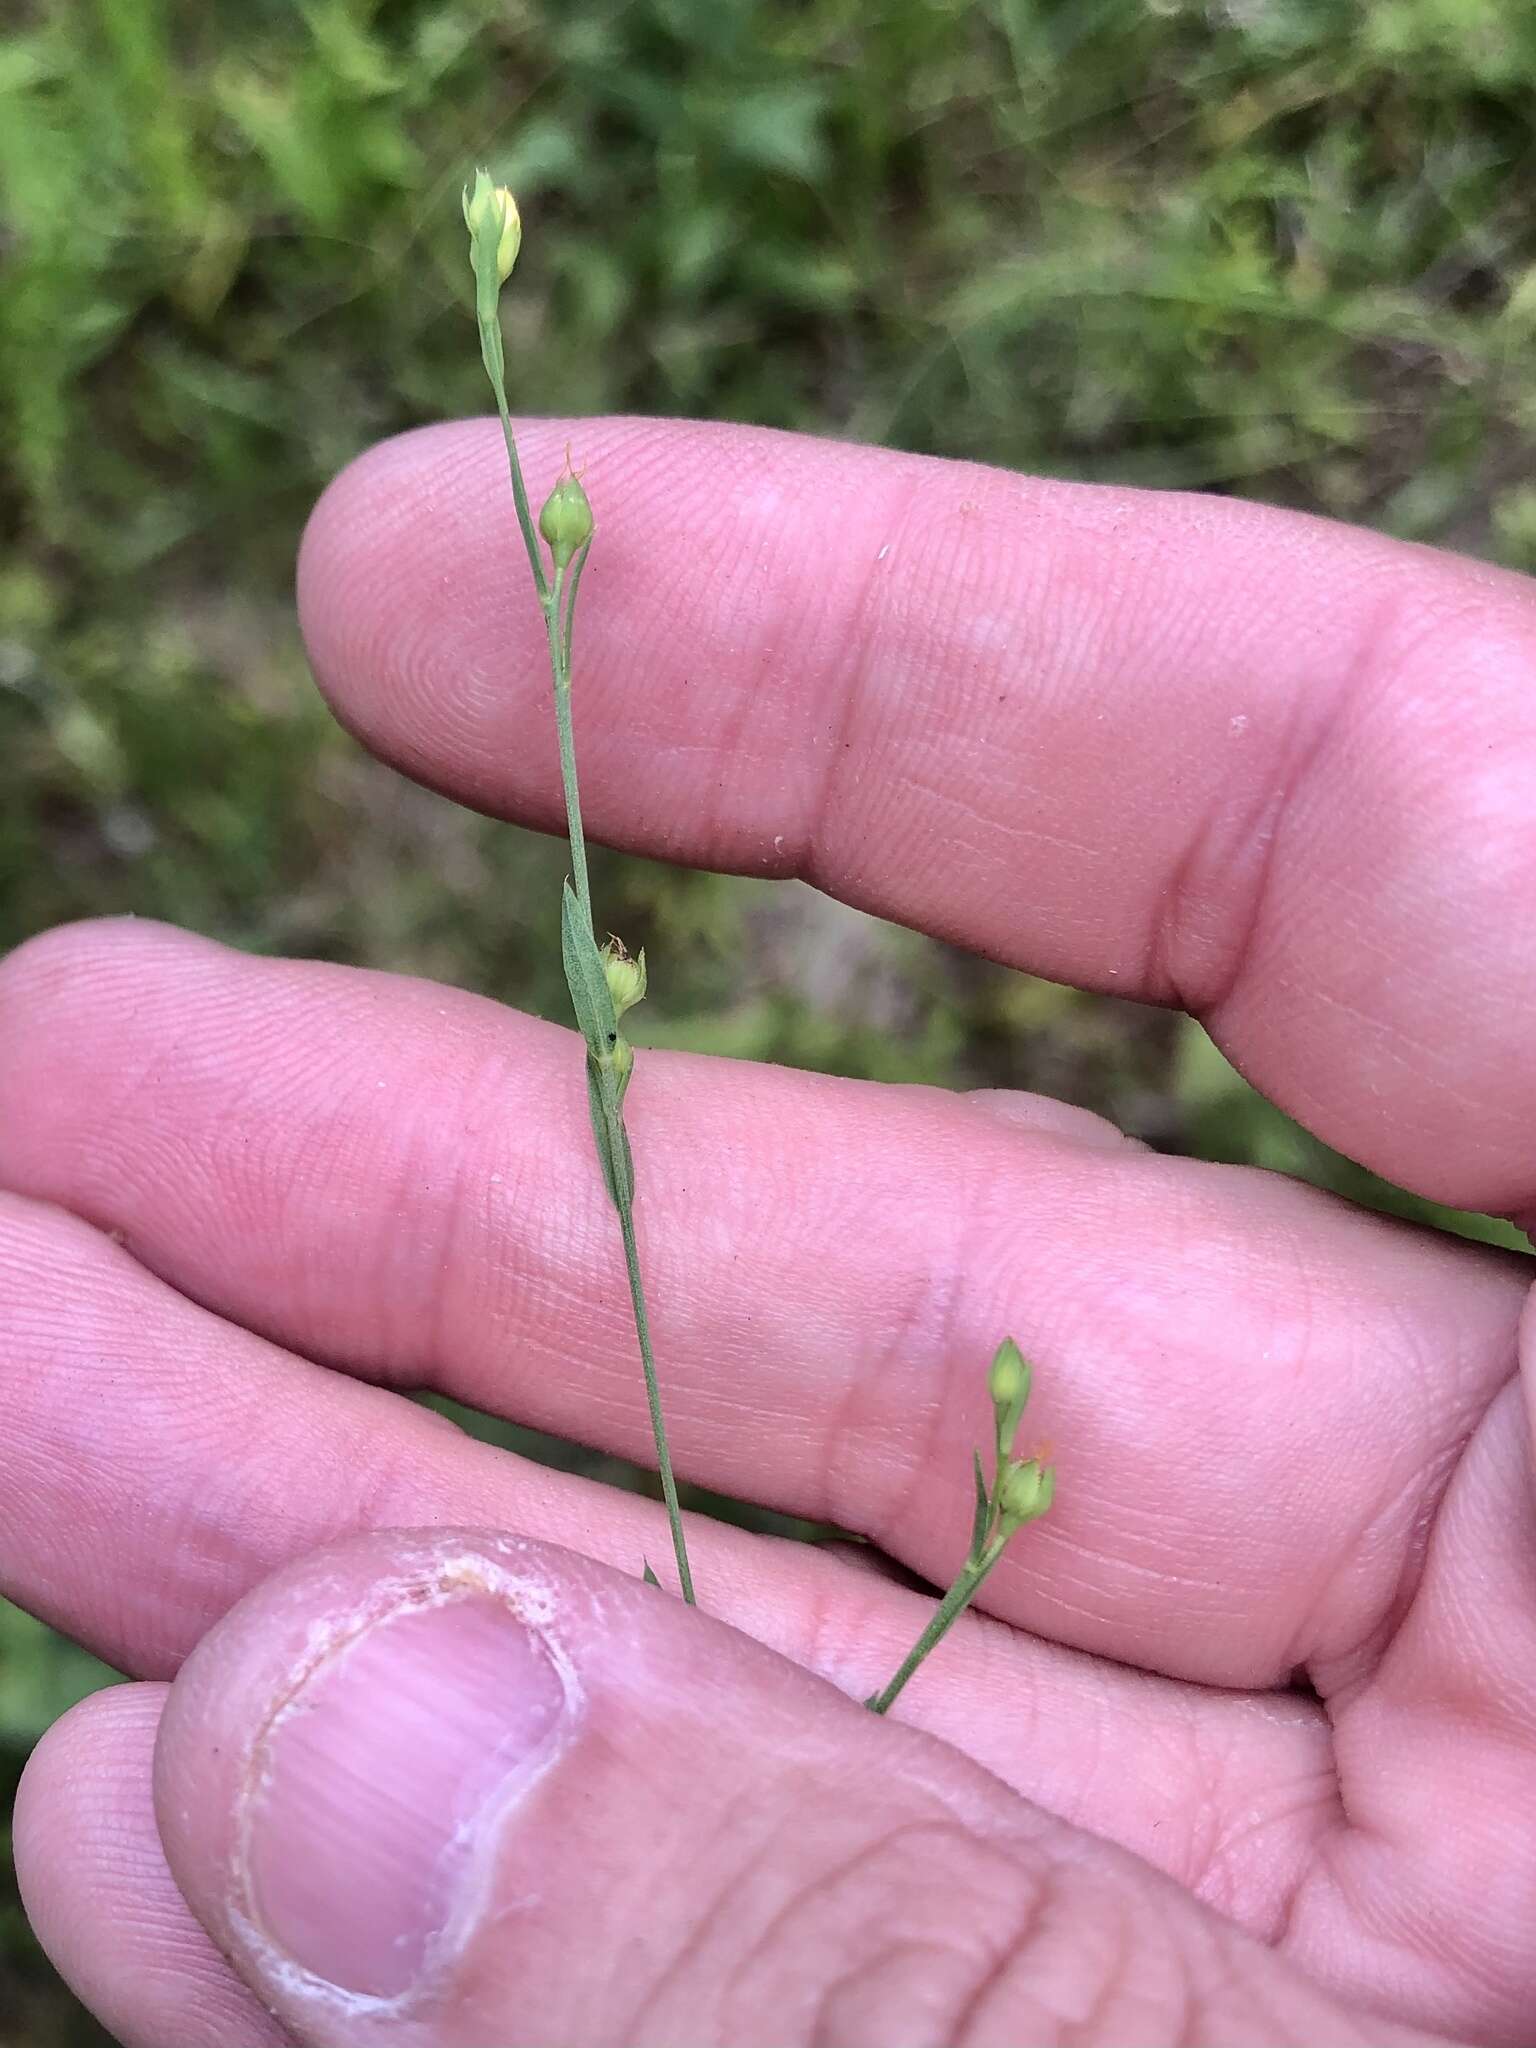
(949, 1610)
(494, 232)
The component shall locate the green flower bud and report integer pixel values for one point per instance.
(622, 1055)
(1025, 1492)
(566, 520)
(626, 977)
(1008, 1384)
(490, 214)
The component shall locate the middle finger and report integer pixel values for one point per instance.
(1256, 1391)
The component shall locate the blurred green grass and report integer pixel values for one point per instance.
(1277, 247)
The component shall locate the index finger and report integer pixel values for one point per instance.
(1277, 771)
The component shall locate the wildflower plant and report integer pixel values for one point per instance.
(1021, 1491)
(605, 983)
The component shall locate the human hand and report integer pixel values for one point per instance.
(1272, 769)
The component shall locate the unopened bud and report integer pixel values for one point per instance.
(626, 977)
(1008, 1384)
(622, 1055)
(1025, 1492)
(566, 520)
(490, 214)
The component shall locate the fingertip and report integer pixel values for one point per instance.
(1044, 1116)
(366, 538)
(329, 1750)
(100, 1897)
(414, 605)
(391, 489)
(57, 954)
(428, 644)
(334, 1760)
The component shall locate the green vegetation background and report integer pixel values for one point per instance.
(1277, 247)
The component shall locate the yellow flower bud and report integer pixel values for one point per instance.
(1008, 1380)
(1008, 1384)
(1026, 1492)
(566, 520)
(626, 977)
(491, 215)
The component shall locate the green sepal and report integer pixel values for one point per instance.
(488, 320)
(983, 1509)
(591, 997)
(493, 355)
(648, 1575)
(1024, 1493)
(482, 250)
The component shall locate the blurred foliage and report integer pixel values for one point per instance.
(1281, 247)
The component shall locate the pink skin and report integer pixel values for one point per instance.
(1274, 770)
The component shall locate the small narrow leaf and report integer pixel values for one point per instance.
(600, 1132)
(584, 976)
(648, 1575)
(611, 1137)
(624, 1166)
(983, 1509)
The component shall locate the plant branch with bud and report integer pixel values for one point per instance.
(1021, 1491)
(604, 982)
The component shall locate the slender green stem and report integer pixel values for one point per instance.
(557, 601)
(949, 1610)
(559, 630)
(564, 726)
(579, 879)
(491, 356)
(653, 1400)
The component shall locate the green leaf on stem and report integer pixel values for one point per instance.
(623, 1165)
(612, 1140)
(586, 978)
(983, 1509)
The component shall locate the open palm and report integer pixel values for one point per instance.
(1278, 1636)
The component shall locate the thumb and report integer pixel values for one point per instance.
(449, 1790)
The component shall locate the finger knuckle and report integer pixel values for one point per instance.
(939, 1936)
(887, 1936)
(1450, 721)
